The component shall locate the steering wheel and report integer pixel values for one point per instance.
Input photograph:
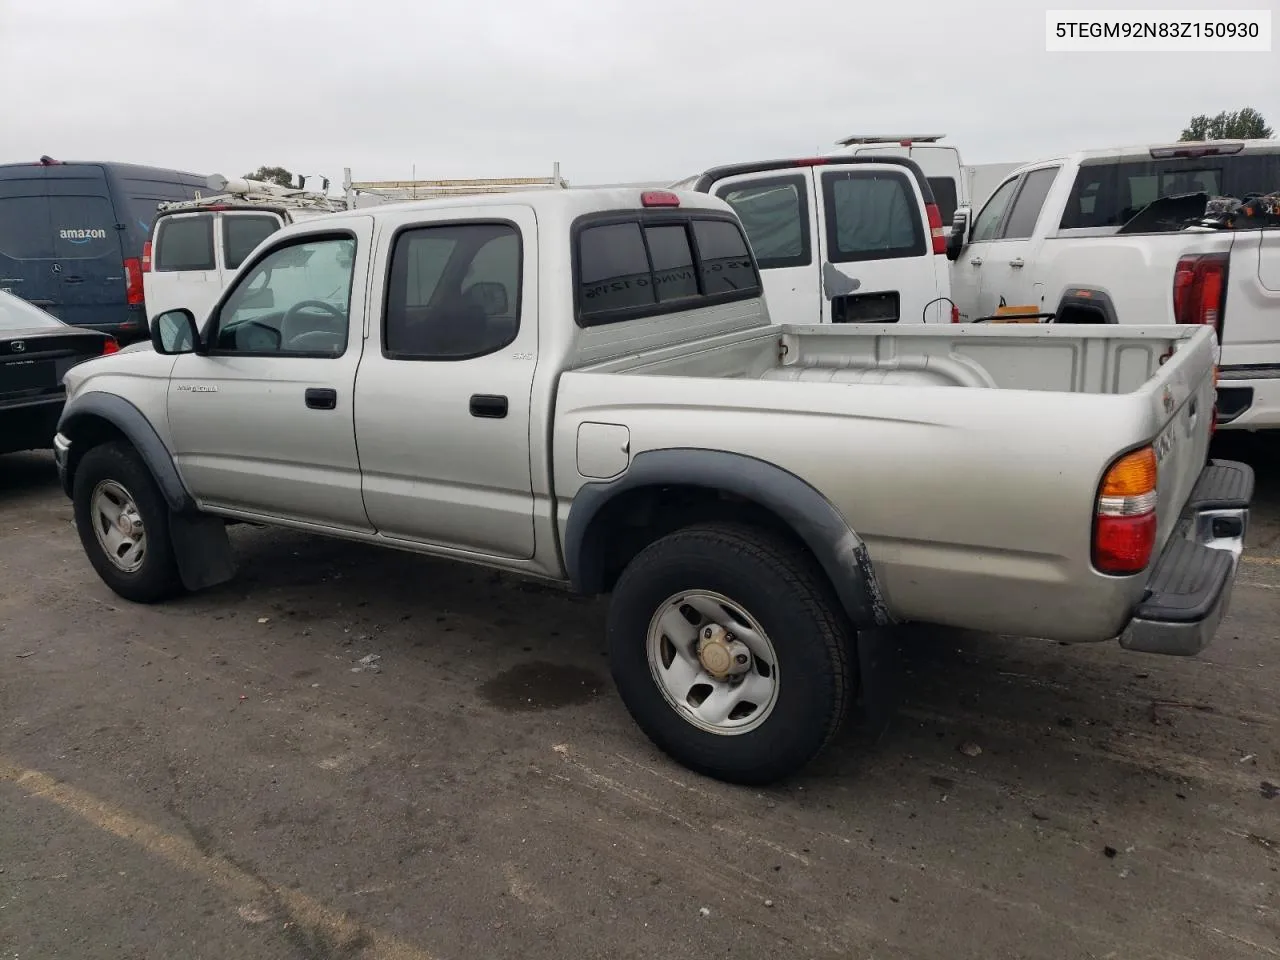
(293, 316)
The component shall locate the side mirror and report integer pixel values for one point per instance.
(959, 235)
(492, 298)
(175, 331)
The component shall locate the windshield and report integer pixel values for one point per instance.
(17, 314)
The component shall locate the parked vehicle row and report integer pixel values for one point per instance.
(71, 237)
(613, 403)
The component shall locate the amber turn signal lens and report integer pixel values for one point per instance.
(1132, 475)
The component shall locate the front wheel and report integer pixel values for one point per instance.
(123, 522)
(730, 652)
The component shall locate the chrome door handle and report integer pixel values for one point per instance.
(976, 261)
(1017, 262)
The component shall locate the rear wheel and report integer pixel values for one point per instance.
(730, 652)
(123, 522)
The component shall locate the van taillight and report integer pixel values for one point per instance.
(146, 257)
(1124, 526)
(1200, 290)
(133, 281)
(955, 314)
(936, 229)
(110, 345)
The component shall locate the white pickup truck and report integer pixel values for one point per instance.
(1095, 237)
(1228, 276)
(585, 386)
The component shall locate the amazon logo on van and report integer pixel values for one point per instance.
(82, 236)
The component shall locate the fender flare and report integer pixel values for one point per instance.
(1090, 299)
(137, 429)
(810, 515)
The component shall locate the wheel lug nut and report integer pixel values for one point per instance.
(741, 658)
(707, 633)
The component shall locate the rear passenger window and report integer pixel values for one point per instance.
(241, 232)
(650, 265)
(775, 214)
(83, 227)
(1030, 201)
(871, 216)
(184, 243)
(453, 292)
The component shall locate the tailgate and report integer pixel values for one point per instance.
(1182, 399)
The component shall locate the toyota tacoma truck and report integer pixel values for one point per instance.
(586, 386)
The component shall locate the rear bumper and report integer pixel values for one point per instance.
(1189, 586)
(1249, 397)
(30, 424)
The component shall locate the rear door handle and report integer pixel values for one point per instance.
(488, 405)
(321, 398)
(976, 261)
(1017, 262)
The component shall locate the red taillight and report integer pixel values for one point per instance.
(1124, 526)
(811, 162)
(110, 346)
(133, 281)
(659, 198)
(146, 257)
(936, 229)
(1122, 545)
(955, 314)
(1200, 290)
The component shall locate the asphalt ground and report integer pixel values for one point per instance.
(221, 777)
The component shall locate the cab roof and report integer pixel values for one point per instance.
(569, 203)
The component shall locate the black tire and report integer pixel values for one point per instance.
(786, 592)
(157, 578)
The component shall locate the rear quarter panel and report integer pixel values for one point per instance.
(976, 505)
(1135, 272)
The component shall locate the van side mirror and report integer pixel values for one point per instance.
(959, 235)
(175, 331)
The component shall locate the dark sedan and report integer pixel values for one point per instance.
(36, 349)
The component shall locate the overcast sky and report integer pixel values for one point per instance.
(613, 89)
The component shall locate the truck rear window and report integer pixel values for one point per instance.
(629, 267)
(1111, 193)
(184, 243)
(872, 215)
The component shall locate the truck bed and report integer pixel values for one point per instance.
(975, 505)
(1078, 359)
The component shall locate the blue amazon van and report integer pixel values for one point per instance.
(71, 237)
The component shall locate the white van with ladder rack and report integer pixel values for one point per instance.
(196, 246)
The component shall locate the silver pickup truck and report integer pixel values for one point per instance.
(586, 386)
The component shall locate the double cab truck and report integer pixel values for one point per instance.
(587, 387)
